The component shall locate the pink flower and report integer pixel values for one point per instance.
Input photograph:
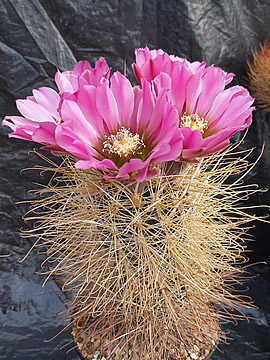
(120, 130)
(40, 111)
(208, 113)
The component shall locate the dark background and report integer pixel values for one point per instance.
(38, 36)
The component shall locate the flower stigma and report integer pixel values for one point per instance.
(124, 143)
(194, 121)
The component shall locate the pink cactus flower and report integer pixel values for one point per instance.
(40, 111)
(208, 113)
(120, 130)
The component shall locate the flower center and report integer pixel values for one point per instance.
(194, 121)
(124, 143)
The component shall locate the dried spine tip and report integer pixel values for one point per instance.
(259, 76)
(194, 121)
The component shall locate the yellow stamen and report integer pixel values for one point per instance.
(194, 121)
(123, 144)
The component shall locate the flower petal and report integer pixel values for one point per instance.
(86, 101)
(145, 108)
(213, 83)
(130, 167)
(192, 143)
(69, 141)
(123, 94)
(104, 165)
(180, 78)
(45, 133)
(48, 99)
(66, 82)
(80, 67)
(107, 106)
(74, 118)
(173, 152)
(33, 111)
(133, 121)
(238, 110)
(193, 90)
